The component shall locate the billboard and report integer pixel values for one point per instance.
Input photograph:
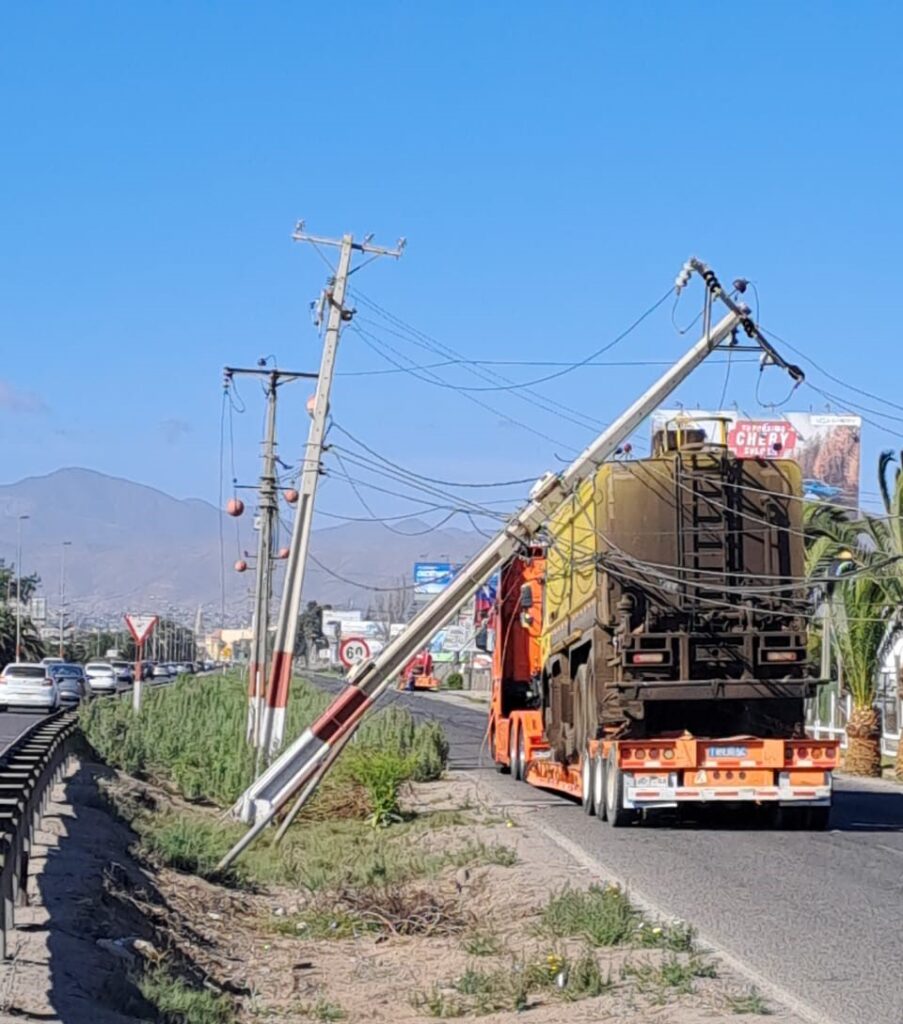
(431, 578)
(826, 445)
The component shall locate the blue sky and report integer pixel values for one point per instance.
(550, 165)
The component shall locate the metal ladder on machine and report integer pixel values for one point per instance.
(707, 529)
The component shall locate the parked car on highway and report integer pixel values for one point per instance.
(71, 681)
(103, 678)
(160, 673)
(25, 685)
(125, 671)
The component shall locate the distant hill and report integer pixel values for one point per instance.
(134, 547)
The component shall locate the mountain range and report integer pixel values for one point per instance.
(134, 548)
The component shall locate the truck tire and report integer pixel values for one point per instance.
(616, 814)
(521, 756)
(587, 785)
(514, 750)
(599, 786)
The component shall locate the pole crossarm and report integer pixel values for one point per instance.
(299, 235)
(233, 371)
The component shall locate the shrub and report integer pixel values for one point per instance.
(191, 735)
(178, 1003)
(454, 681)
(606, 917)
(381, 772)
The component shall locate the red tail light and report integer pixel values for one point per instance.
(647, 658)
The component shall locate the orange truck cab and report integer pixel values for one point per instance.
(782, 780)
(418, 673)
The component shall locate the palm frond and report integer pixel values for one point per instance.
(884, 462)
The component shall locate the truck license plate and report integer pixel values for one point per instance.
(734, 752)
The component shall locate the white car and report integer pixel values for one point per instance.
(103, 678)
(25, 685)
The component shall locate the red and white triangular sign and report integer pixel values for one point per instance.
(140, 626)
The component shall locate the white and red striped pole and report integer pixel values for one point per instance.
(277, 688)
(280, 678)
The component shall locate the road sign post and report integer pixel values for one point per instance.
(141, 627)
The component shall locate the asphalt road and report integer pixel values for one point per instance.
(14, 723)
(820, 915)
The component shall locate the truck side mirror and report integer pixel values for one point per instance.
(526, 597)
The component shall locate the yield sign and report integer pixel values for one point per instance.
(140, 626)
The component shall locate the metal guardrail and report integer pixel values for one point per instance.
(29, 768)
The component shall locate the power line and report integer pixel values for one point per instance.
(830, 376)
(528, 362)
(429, 479)
(515, 385)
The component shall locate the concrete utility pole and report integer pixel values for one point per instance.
(65, 544)
(268, 507)
(19, 520)
(290, 607)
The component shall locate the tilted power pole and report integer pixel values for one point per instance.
(268, 507)
(280, 677)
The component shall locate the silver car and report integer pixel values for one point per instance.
(70, 681)
(102, 677)
(24, 685)
(125, 671)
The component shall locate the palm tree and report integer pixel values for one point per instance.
(892, 529)
(32, 648)
(866, 603)
(861, 615)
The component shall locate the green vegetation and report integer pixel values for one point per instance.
(510, 987)
(322, 856)
(749, 1002)
(482, 942)
(178, 1003)
(604, 916)
(676, 975)
(454, 681)
(858, 563)
(190, 735)
(323, 1010)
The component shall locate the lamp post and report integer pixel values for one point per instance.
(65, 544)
(19, 520)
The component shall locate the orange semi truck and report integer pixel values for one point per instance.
(649, 650)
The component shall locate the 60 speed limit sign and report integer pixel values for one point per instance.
(353, 650)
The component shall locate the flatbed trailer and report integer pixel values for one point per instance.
(617, 780)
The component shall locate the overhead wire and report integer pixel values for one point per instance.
(401, 533)
(421, 476)
(578, 364)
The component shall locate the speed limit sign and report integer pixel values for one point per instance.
(353, 650)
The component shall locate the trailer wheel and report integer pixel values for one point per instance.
(599, 786)
(521, 755)
(616, 814)
(587, 785)
(514, 751)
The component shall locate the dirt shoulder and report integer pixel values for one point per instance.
(454, 920)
